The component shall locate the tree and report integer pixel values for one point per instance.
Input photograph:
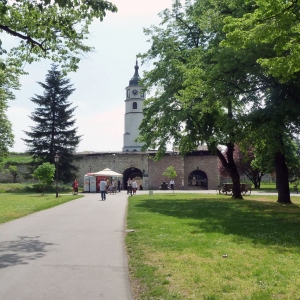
(53, 30)
(50, 29)
(170, 173)
(198, 85)
(54, 131)
(217, 94)
(44, 173)
(8, 81)
(276, 25)
(245, 162)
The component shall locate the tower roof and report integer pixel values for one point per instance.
(136, 77)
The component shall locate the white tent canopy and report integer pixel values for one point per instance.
(107, 172)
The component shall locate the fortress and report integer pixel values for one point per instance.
(198, 169)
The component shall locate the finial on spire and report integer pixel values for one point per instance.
(135, 79)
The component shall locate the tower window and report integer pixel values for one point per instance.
(128, 93)
(134, 105)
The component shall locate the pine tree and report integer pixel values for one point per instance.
(54, 131)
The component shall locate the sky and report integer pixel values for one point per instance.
(101, 79)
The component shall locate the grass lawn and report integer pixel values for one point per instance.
(16, 205)
(187, 246)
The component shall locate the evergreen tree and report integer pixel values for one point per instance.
(54, 131)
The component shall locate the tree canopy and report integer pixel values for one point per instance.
(54, 131)
(210, 91)
(50, 29)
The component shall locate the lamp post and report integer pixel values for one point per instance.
(56, 159)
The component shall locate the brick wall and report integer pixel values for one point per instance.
(120, 162)
(156, 168)
(206, 163)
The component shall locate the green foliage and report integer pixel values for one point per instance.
(212, 90)
(8, 81)
(54, 131)
(275, 26)
(170, 172)
(18, 159)
(44, 173)
(54, 30)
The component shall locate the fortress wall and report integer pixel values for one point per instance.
(206, 163)
(156, 168)
(117, 162)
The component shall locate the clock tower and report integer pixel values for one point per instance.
(133, 113)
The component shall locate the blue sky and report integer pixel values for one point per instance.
(101, 79)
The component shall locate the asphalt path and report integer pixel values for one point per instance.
(72, 251)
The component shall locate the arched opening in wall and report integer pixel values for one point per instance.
(198, 179)
(134, 105)
(132, 173)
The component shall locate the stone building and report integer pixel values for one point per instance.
(198, 169)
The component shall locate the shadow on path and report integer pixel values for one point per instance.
(22, 251)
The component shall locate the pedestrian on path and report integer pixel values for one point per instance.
(129, 187)
(75, 186)
(134, 186)
(102, 186)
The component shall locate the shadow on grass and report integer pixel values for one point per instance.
(264, 223)
(21, 251)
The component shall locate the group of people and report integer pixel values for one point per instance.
(131, 187)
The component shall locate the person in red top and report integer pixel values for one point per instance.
(75, 186)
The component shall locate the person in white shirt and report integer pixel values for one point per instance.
(102, 186)
(134, 186)
(172, 184)
(129, 187)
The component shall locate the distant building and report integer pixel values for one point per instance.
(133, 113)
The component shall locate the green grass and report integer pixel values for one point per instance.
(16, 205)
(17, 158)
(177, 247)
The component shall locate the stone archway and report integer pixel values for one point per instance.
(198, 179)
(131, 173)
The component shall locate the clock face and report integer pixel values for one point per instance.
(134, 92)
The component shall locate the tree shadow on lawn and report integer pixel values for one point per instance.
(264, 223)
(21, 251)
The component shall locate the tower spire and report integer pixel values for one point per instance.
(136, 77)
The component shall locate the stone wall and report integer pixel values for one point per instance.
(206, 163)
(142, 163)
(156, 168)
(23, 175)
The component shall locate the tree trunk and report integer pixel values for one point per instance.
(231, 168)
(282, 179)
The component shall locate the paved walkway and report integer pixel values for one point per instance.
(72, 251)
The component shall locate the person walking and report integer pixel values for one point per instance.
(102, 186)
(129, 187)
(182, 184)
(119, 185)
(134, 186)
(75, 186)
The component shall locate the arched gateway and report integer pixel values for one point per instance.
(198, 178)
(131, 173)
